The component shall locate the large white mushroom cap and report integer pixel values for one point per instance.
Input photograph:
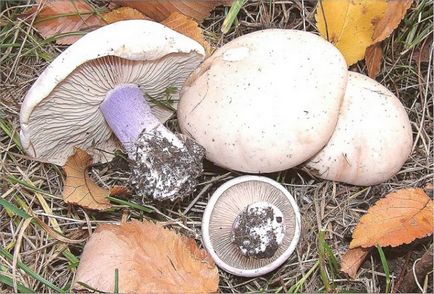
(373, 136)
(266, 101)
(61, 110)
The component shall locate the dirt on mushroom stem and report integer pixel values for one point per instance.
(254, 234)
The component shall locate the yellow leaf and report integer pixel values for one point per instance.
(397, 219)
(188, 27)
(57, 17)
(149, 259)
(159, 10)
(373, 56)
(79, 188)
(352, 260)
(122, 13)
(349, 24)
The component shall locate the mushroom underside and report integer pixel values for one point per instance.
(70, 116)
(230, 204)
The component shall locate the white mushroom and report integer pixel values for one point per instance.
(92, 96)
(251, 226)
(266, 101)
(372, 140)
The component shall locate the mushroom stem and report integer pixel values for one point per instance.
(258, 230)
(163, 164)
(128, 115)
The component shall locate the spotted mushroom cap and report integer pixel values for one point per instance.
(61, 109)
(266, 101)
(372, 139)
(221, 218)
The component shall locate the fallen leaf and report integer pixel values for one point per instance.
(349, 24)
(373, 56)
(66, 17)
(122, 13)
(393, 15)
(79, 188)
(424, 52)
(399, 218)
(159, 10)
(149, 259)
(120, 191)
(352, 260)
(188, 27)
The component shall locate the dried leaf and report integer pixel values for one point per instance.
(159, 10)
(188, 27)
(395, 12)
(399, 218)
(352, 260)
(120, 191)
(149, 259)
(424, 52)
(63, 17)
(373, 56)
(122, 13)
(349, 24)
(79, 188)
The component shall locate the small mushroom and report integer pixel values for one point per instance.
(251, 226)
(108, 87)
(372, 139)
(266, 101)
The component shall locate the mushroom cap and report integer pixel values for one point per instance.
(227, 202)
(372, 139)
(266, 101)
(61, 109)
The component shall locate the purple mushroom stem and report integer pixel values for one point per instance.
(164, 165)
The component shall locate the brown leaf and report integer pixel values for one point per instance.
(352, 260)
(373, 56)
(120, 191)
(123, 13)
(79, 188)
(395, 12)
(62, 17)
(149, 259)
(188, 27)
(424, 52)
(161, 9)
(397, 219)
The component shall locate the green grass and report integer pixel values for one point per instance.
(297, 286)
(30, 272)
(232, 15)
(385, 266)
(20, 287)
(327, 263)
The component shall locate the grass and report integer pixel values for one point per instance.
(385, 266)
(33, 190)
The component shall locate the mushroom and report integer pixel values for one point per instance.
(251, 226)
(372, 139)
(266, 101)
(108, 87)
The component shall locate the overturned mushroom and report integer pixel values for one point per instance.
(266, 101)
(251, 225)
(116, 80)
(372, 139)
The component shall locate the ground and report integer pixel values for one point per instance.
(336, 208)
